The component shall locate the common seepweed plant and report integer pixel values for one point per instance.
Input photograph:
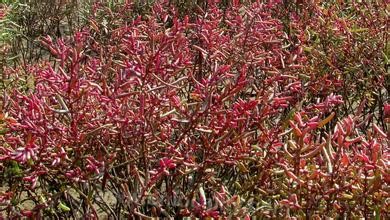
(230, 111)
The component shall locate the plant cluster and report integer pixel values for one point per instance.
(265, 108)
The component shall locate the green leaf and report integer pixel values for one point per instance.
(3, 131)
(377, 213)
(63, 207)
(358, 30)
(13, 170)
(387, 61)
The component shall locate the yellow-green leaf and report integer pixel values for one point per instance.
(63, 207)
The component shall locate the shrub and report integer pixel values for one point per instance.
(229, 112)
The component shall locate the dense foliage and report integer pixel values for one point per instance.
(216, 109)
